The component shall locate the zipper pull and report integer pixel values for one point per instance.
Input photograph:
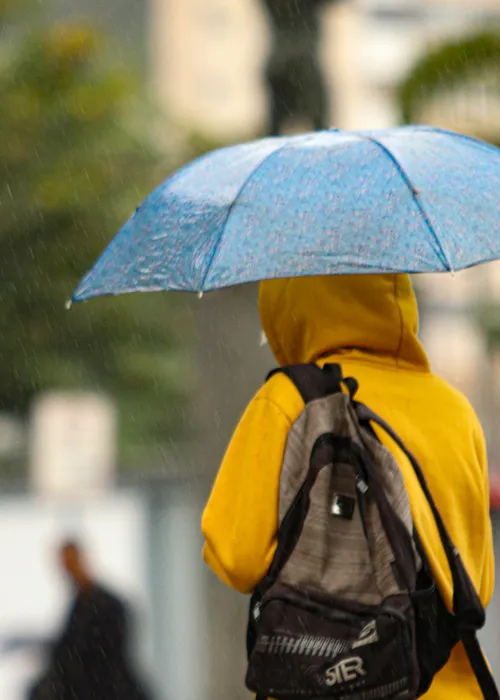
(256, 612)
(361, 484)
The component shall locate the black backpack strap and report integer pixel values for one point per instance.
(479, 666)
(313, 382)
(467, 606)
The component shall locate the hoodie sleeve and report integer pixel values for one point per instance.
(488, 569)
(240, 521)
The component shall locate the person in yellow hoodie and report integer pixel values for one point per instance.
(369, 325)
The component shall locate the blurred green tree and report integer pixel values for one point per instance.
(70, 173)
(454, 67)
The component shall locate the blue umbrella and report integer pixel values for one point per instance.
(411, 199)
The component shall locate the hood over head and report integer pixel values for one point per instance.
(306, 318)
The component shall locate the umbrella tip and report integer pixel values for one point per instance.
(200, 295)
(68, 304)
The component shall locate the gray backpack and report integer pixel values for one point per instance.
(349, 608)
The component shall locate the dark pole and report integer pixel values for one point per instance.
(294, 75)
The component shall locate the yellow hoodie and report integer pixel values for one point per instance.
(369, 324)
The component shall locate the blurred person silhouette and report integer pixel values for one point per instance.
(294, 75)
(89, 660)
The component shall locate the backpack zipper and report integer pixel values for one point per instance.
(325, 611)
(311, 606)
(361, 483)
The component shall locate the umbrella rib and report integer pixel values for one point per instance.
(414, 194)
(231, 207)
(465, 137)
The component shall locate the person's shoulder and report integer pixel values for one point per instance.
(108, 597)
(454, 400)
(281, 393)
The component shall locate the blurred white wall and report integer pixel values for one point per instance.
(206, 64)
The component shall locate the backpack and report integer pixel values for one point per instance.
(349, 608)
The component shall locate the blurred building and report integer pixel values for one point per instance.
(206, 64)
(208, 58)
(393, 34)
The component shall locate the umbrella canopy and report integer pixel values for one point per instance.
(409, 199)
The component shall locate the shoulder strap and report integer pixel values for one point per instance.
(313, 382)
(479, 666)
(467, 606)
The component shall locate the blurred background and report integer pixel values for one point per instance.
(114, 415)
